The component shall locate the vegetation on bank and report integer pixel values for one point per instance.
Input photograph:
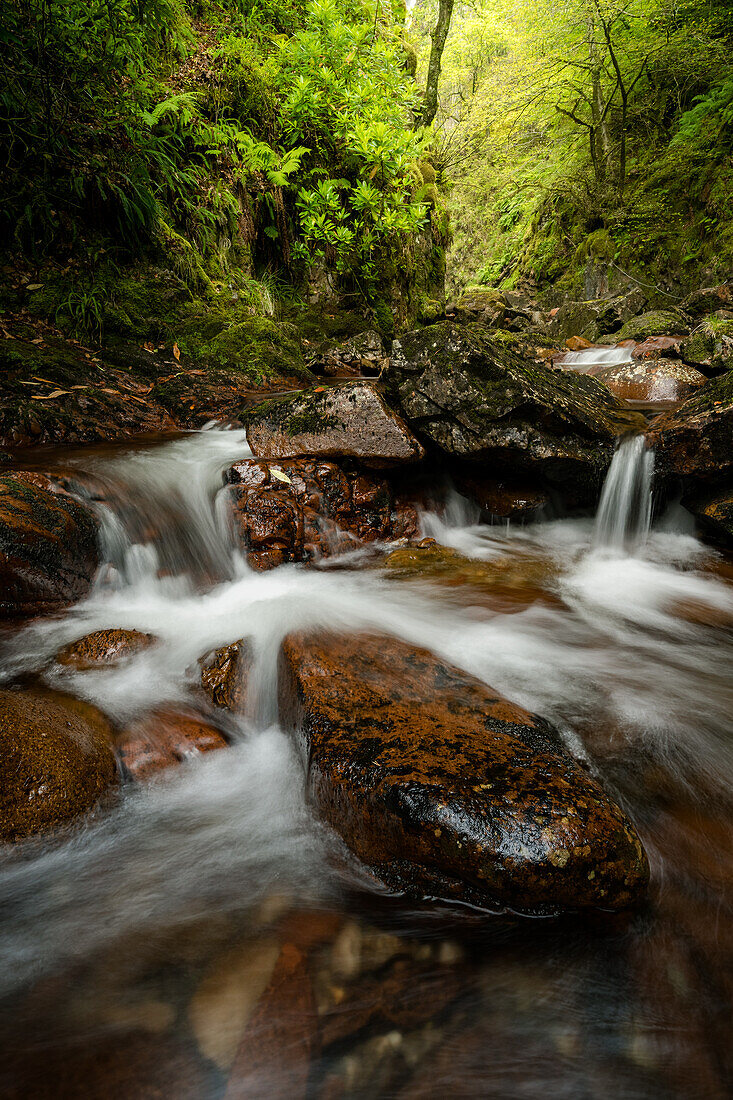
(587, 141)
(242, 148)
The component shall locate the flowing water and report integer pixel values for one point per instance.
(583, 361)
(135, 950)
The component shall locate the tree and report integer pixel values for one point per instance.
(439, 37)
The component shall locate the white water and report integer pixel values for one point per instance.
(625, 509)
(612, 643)
(582, 361)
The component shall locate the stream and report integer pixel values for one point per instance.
(136, 947)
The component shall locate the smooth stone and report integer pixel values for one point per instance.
(443, 787)
(163, 739)
(104, 647)
(347, 421)
(56, 761)
(227, 997)
(281, 1039)
(650, 380)
(48, 547)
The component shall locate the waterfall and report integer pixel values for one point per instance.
(625, 510)
(583, 361)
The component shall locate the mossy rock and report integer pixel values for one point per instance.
(476, 299)
(710, 343)
(258, 346)
(660, 322)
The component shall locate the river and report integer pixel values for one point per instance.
(135, 949)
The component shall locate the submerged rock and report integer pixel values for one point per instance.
(443, 787)
(163, 739)
(650, 380)
(696, 439)
(104, 647)
(474, 399)
(305, 509)
(504, 498)
(350, 420)
(56, 761)
(48, 547)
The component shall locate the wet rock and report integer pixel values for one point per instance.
(696, 439)
(660, 322)
(446, 789)
(164, 739)
(505, 499)
(104, 647)
(714, 510)
(650, 380)
(274, 1057)
(577, 343)
(305, 509)
(350, 420)
(48, 547)
(56, 761)
(595, 317)
(224, 676)
(474, 399)
(658, 347)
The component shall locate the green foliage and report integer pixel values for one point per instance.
(559, 143)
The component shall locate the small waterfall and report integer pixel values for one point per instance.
(625, 510)
(583, 361)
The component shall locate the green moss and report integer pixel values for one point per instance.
(258, 346)
(661, 322)
(302, 413)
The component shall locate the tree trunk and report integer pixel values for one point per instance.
(439, 36)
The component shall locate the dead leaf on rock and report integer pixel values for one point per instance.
(176, 351)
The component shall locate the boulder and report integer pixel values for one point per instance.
(224, 676)
(710, 345)
(696, 439)
(306, 509)
(709, 300)
(444, 788)
(48, 547)
(650, 380)
(104, 647)
(472, 398)
(597, 316)
(347, 421)
(659, 322)
(164, 739)
(56, 761)
(658, 347)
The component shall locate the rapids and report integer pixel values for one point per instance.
(121, 936)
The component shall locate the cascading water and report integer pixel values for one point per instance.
(583, 361)
(625, 509)
(154, 923)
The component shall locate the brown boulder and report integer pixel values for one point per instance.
(577, 343)
(650, 380)
(224, 676)
(657, 347)
(304, 509)
(103, 647)
(444, 787)
(347, 421)
(163, 739)
(696, 439)
(56, 761)
(48, 547)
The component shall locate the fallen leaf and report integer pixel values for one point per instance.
(58, 393)
(34, 286)
(176, 351)
(28, 383)
(281, 476)
(148, 346)
(38, 340)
